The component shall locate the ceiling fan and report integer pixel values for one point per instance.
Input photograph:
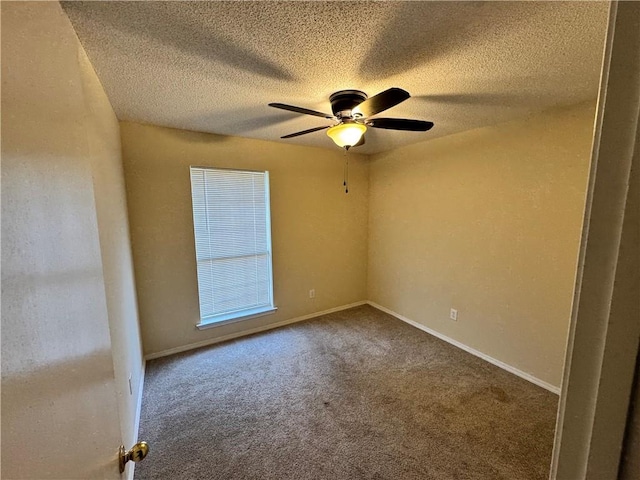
(352, 110)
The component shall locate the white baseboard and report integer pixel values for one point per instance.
(251, 331)
(466, 348)
(136, 425)
(498, 363)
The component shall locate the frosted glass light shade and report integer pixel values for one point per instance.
(346, 134)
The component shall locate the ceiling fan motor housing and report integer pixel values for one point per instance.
(343, 101)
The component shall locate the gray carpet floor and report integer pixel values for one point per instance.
(355, 394)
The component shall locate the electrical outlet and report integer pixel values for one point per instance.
(312, 293)
(453, 314)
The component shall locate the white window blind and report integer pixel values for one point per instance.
(233, 242)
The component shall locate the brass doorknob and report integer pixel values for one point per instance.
(136, 454)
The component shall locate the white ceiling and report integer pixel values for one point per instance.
(214, 66)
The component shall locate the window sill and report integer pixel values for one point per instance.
(220, 320)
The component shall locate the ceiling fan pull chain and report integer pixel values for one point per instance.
(344, 172)
(346, 175)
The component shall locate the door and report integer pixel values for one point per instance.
(59, 406)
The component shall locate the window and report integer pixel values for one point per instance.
(232, 228)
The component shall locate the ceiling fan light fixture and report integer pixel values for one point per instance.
(346, 135)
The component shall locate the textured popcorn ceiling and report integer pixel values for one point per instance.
(214, 66)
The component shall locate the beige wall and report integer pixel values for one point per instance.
(487, 222)
(319, 233)
(60, 156)
(104, 153)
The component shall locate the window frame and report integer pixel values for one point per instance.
(247, 313)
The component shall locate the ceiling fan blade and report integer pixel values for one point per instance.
(306, 111)
(382, 101)
(304, 132)
(400, 124)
